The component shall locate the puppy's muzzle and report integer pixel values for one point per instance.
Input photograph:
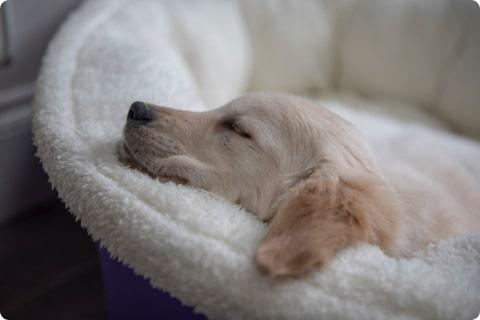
(139, 112)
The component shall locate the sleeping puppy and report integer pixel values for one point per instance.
(302, 168)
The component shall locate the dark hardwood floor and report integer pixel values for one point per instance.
(49, 268)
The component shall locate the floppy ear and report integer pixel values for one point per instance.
(323, 214)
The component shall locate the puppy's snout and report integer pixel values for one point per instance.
(139, 111)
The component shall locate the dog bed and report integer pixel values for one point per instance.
(415, 59)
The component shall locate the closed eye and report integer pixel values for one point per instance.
(234, 126)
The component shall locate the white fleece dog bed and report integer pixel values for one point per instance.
(192, 54)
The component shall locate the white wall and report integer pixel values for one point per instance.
(23, 185)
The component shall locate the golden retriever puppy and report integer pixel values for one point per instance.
(302, 168)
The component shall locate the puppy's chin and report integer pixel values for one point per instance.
(176, 180)
(126, 157)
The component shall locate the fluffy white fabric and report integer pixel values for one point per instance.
(198, 54)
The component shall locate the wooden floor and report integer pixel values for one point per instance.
(49, 268)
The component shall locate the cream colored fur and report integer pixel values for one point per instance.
(306, 171)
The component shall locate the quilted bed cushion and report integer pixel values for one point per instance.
(197, 55)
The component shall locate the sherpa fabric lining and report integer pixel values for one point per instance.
(200, 248)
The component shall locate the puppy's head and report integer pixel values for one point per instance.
(278, 156)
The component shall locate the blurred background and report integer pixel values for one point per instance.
(48, 265)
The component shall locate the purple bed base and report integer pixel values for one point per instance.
(129, 296)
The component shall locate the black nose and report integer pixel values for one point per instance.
(139, 111)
